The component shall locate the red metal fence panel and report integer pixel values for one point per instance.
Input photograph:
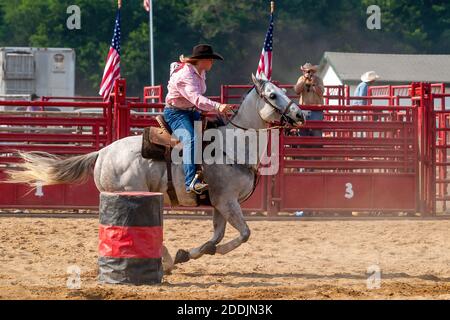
(441, 118)
(375, 158)
(61, 133)
(354, 165)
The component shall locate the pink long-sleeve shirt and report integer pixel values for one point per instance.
(186, 89)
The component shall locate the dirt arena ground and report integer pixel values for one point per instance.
(282, 260)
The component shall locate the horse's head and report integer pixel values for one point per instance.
(277, 107)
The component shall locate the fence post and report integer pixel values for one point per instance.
(109, 116)
(421, 96)
(274, 182)
(433, 133)
(430, 147)
(224, 94)
(161, 94)
(416, 101)
(391, 95)
(347, 94)
(121, 110)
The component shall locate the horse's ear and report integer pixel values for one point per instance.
(264, 77)
(256, 82)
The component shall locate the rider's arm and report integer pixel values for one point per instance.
(189, 88)
(299, 87)
(319, 87)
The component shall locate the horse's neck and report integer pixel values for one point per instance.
(248, 114)
(247, 117)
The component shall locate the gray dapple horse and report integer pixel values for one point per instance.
(120, 167)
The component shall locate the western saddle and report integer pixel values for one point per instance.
(157, 144)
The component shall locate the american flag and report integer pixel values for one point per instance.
(265, 62)
(147, 5)
(112, 67)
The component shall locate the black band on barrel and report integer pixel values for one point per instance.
(132, 210)
(133, 271)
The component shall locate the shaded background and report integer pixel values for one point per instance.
(304, 29)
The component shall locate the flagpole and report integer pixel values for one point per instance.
(152, 54)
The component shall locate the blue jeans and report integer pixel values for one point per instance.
(313, 116)
(183, 120)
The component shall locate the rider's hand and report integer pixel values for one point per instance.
(225, 108)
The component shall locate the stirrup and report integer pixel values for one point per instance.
(197, 186)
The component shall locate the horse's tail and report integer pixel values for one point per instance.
(49, 169)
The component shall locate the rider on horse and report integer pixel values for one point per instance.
(185, 95)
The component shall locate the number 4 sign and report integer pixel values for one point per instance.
(39, 189)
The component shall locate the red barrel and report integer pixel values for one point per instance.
(130, 238)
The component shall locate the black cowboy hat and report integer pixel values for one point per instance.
(204, 51)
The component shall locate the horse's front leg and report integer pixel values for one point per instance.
(209, 247)
(232, 212)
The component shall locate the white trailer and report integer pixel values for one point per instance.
(40, 71)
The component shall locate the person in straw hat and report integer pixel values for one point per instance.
(362, 89)
(309, 86)
(311, 89)
(184, 100)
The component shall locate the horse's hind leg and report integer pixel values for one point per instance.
(167, 261)
(209, 247)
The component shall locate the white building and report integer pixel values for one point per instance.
(344, 68)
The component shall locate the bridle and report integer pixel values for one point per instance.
(284, 123)
(261, 94)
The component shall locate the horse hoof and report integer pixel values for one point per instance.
(167, 272)
(168, 269)
(182, 256)
(209, 248)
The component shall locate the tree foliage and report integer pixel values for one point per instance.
(304, 29)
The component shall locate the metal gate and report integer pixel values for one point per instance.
(367, 158)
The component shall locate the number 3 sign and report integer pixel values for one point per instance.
(349, 194)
